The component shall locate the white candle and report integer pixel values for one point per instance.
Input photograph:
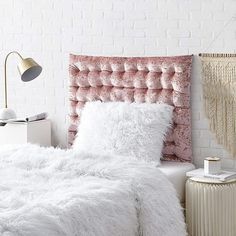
(212, 165)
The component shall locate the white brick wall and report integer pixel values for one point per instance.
(49, 30)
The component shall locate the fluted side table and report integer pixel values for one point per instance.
(210, 207)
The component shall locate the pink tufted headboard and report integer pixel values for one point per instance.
(136, 79)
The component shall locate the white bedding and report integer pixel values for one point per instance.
(176, 173)
(58, 193)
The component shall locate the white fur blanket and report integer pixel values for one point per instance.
(53, 192)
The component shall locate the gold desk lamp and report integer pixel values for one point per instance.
(28, 70)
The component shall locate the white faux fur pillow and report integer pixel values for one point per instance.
(127, 129)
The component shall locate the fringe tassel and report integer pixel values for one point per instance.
(220, 55)
(219, 91)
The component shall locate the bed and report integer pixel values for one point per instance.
(156, 79)
(48, 191)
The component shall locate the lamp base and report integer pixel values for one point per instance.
(7, 113)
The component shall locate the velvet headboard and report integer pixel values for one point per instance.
(136, 79)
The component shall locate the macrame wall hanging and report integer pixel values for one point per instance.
(219, 91)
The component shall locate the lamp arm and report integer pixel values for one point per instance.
(5, 73)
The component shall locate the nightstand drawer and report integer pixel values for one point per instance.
(37, 132)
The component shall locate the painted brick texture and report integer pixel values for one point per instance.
(48, 30)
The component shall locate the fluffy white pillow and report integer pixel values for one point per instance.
(127, 129)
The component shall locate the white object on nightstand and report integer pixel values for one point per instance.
(212, 165)
(222, 176)
(36, 132)
(210, 207)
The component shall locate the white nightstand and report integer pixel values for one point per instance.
(210, 207)
(37, 132)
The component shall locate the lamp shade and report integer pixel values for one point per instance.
(29, 69)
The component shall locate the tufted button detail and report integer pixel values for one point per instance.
(150, 79)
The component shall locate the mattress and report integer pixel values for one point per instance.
(176, 173)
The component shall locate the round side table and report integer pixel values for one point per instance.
(210, 207)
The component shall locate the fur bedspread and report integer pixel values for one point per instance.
(53, 192)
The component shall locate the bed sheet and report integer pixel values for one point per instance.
(176, 173)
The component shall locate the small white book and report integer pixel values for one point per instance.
(222, 176)
(40, 116)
